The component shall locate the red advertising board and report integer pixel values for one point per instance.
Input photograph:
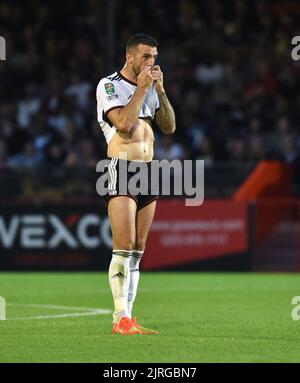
(182, 234)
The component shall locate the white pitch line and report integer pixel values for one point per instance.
(98, 312)
(59, 307)
(91, 311)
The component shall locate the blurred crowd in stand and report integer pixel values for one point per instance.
(227, 67)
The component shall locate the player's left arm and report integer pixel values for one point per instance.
(165, 116)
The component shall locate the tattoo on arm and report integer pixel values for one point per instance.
(165, 116)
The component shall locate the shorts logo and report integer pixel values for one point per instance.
(109, 88)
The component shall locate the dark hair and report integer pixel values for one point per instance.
(141, 38)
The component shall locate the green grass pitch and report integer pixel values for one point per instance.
(201, 317)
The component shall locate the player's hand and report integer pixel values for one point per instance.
(145, 78)
(158, 76)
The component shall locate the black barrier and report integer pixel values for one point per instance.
(44, 185)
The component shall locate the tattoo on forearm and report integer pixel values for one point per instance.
(165, 116)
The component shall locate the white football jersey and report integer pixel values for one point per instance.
(115, 91)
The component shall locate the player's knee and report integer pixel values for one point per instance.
(140, 245)
(128, 246)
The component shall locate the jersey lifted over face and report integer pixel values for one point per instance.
(115, 91)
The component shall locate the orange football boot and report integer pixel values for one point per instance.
(126, 327)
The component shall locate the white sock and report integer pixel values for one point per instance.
(119, 277)
(134, 278)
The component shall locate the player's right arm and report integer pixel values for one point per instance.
(125, 117)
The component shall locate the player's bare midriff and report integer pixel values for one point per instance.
(137, 144)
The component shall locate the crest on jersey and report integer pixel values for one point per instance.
(109, 88)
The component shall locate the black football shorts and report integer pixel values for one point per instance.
(120, 173)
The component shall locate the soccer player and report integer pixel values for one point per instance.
(127, 103)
